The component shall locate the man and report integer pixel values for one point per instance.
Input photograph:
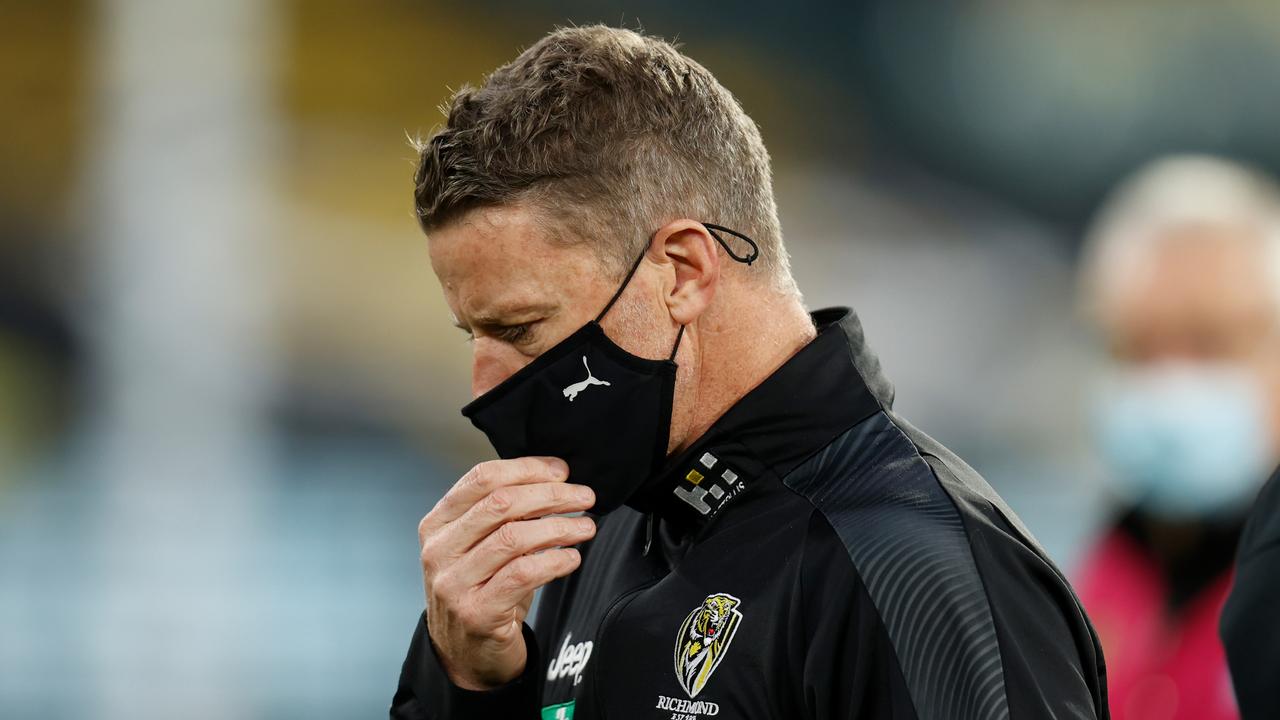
(1181, 278)
(767, 538)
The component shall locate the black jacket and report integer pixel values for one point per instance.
(811, 556)
(1250, 623)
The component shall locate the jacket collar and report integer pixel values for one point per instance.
(828, 386)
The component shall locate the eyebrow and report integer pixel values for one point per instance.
(503, 317)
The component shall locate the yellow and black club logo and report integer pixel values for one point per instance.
(703, 640)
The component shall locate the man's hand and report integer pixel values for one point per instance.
(486, 546)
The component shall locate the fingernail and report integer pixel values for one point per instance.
(586, 525)
(584, 493)
(558, 466)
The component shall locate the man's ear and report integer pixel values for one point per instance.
(690, 250)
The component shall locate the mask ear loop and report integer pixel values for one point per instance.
(623, 286)
(676, 347)
(711, 228)
(748, 259)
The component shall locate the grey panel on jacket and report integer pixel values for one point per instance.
(908, 543)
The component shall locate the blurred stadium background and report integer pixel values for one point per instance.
(229, 386)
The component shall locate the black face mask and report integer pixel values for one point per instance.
(604, 411)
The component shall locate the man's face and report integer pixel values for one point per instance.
(1200, 297)
(518, 294)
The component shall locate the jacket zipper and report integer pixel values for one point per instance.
(614, 608)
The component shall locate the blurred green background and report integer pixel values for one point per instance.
(229, 385)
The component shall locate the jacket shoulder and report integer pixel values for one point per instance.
(907, 542)
(1052, 659)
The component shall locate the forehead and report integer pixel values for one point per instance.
(1194, 274)
(491, 259)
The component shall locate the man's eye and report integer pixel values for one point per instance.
(514, 334)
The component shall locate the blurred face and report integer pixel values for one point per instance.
(1189, 418)
(518, 294)
(1204, 296)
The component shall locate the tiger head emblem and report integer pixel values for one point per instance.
(703, 639)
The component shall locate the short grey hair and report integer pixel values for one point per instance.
(1181, 191)
(611, 132)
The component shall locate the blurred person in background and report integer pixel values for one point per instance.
(1180, 277)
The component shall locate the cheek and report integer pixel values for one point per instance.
(641, 327)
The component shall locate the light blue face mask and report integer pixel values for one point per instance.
(1185, 441)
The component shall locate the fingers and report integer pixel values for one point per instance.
(485, 547)
(484, 479)
(500, 507)
(514, 539)
(513, 583)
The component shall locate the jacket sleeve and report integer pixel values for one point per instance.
(1250, 629)
(845, 664)
(426, 693)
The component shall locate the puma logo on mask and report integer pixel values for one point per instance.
(572, 391)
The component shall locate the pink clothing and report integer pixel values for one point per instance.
(1159, 666)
